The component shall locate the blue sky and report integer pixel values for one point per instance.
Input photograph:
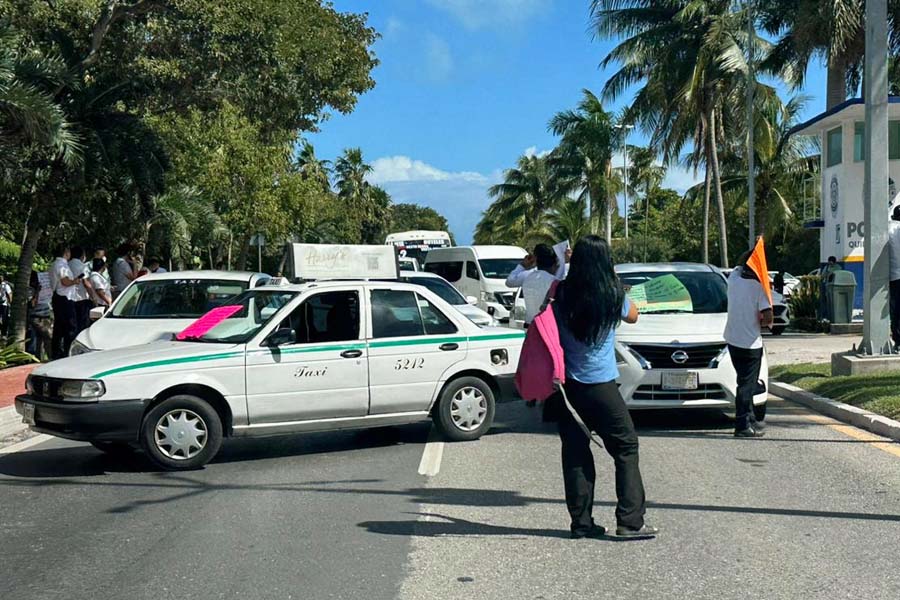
(465, 87)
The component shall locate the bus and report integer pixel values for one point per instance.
(416, 244)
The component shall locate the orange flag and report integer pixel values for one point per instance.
(757, 263)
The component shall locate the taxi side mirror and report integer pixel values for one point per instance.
(281, 337)
(471, 299)
(97, 312)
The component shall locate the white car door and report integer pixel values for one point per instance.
(412, 343)
(321, 372)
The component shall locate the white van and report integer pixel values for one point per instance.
(480, 272)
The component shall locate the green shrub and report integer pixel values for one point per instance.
(804, 300)
(11, 355)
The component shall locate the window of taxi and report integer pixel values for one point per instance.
(252, 311)
(325, 317)
(400, 313)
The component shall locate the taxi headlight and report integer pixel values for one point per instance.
(79, 348)
(87, 389)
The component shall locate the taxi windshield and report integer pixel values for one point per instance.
(692, 292)
(186, 298)
(238, 320)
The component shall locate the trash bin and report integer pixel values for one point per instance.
(840, 290)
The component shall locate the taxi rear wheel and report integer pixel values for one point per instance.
(465, 409)
(182, 432)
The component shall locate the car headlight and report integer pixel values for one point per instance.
(81, 389)
(487, 297)
(719, 358)
(29, 386)
(643, 362)
(79, 348)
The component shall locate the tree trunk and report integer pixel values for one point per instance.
(609, 213)
(243, 253)
(19, 308)
(836, 87)
(717, 181)
(706, 194)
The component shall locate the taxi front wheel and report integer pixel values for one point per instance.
(182, 432)
(465, 409)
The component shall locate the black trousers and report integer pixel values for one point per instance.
(65, 325)
(746, 363)
(895, 311)
(603, 410)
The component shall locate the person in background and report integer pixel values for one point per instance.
(82, 296)
(40, 320)
(101, 254)
(589, 305)
(894, 247)
(153, 266)
(63, 284)
(778, 282)
(5, 304)
(535, 274)
(123, 270)
(749, 310)
(100, 287)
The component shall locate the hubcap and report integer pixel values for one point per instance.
(180, 434)
(468, 408)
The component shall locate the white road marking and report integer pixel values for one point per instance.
(26, 444)
(430, 465)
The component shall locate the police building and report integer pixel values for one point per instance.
(836, 208)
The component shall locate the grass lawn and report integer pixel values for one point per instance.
(878, 392)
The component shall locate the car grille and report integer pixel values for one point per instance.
(705, 391)
(46, 388)
(660, 357)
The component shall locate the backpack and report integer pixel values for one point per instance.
(542, 368)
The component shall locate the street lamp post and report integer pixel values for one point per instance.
(625, 129)
(876, 327)
(751, 166)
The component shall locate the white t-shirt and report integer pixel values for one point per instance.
(746, 299)
(5, 292)
(120, 271)
(99, 283)
(894, 246)
(58, 270)
(535, 284)
(79, 293)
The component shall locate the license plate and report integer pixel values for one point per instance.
(680, 381)
(28, 414)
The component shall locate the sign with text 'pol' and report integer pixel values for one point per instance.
(343, 261)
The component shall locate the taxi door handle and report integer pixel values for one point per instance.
(449, 347)
(351, 353)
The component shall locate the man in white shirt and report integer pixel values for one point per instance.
(123, 271)
(535, 275)
(894, 247)
(5, 304)
(749, 310)
(64, 285)
(81, 294)
(99, 290)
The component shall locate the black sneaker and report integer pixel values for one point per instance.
(644, 532)
(596, 531)
(750, 432)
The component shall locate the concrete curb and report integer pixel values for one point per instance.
(10, 423)
(838, 410)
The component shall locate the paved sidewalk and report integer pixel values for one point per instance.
(12, 383)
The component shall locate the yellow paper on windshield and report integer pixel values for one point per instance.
(660, 294)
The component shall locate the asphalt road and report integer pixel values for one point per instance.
(810, 511)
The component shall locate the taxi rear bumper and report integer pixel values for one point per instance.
(118, 420)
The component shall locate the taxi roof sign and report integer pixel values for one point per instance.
(343, 261)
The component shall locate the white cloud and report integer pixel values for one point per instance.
(460, 196)
(475, 14)
(533, 151)
(438, 59)
(403, 168)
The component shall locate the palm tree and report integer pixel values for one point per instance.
(687, 55)
(582, 163)
(569, 221)
(527, 192)
(311, 167)
(833, 30)
(644, 174)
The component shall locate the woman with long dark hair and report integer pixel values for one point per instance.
(588, 307)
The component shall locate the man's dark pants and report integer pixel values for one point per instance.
(895, 311)
(65, 324)
(746, 363)
(603, 410)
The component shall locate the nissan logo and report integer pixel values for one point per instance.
(680, 357)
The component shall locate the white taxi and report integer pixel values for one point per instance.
(308, 357)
